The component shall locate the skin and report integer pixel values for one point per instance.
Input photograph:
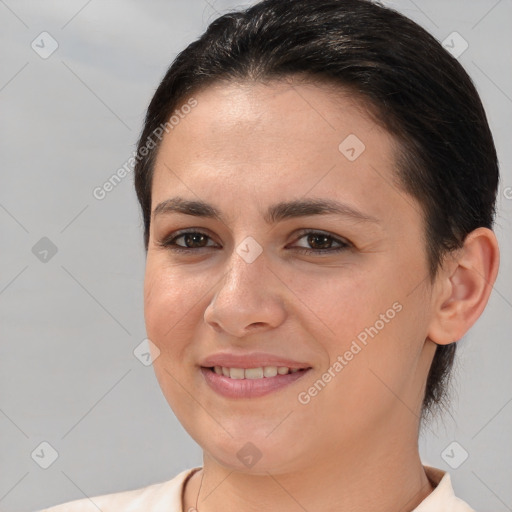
(354, 446)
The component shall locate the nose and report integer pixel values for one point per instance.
(248, 299)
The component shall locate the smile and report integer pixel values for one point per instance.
(253, 373)
(250, 382)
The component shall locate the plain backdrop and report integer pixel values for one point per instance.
(73, 395)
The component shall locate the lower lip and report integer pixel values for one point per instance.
(249, 388)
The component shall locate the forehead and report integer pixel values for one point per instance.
(256, 110)
(278, 140)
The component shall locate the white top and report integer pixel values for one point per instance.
(167, 497)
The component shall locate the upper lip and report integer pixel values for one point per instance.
(253, 360)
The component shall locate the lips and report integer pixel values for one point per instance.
(249, 388)
(241, 376)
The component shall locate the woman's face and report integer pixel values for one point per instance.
(355, 310)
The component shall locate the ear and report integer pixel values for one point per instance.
(464, 286)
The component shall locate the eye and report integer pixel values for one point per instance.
(322, 243)
(192, 240)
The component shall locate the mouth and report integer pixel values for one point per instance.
(250, 382)
(261, 372)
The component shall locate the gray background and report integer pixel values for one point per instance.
(69, 324)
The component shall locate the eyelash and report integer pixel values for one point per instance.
(169, 243)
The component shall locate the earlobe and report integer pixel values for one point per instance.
(464, 288)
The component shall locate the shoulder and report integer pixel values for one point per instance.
(160, 496)
(442, 498)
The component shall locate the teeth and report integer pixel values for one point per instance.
(236, 373)
(270, 371)
(253, 373)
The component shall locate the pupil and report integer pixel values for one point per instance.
(323, 240)
(193, 238)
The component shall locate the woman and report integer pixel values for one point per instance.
(318, 184)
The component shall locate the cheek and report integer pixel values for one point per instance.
(387, 374)
(375, 326)
(340, 303)
(169, 300)
(170, 317)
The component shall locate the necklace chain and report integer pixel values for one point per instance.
(198, 492)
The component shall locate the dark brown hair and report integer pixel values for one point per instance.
(445, 154)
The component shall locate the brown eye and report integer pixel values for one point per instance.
(193, 240)
(321, 243)
(190, 240)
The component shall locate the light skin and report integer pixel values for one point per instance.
(354, 446)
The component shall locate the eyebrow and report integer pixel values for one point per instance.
(275, 213)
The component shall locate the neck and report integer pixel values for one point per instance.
(369, 477)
